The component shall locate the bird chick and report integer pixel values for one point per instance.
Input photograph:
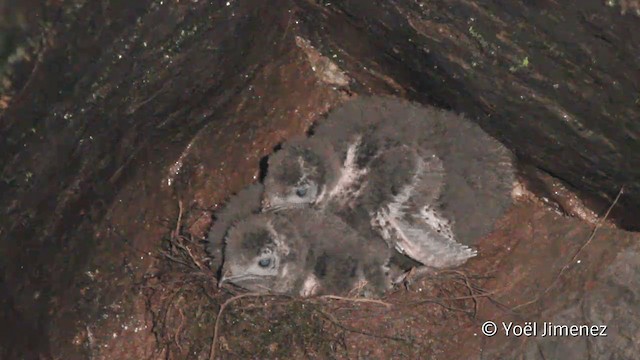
(427, 180)
(303, 252)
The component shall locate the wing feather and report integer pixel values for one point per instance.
(414, 227)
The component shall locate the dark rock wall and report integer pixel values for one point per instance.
(123, 87)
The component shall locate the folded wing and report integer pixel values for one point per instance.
(411, 222)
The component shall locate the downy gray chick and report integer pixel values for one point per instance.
(427, 180)
(303, 252)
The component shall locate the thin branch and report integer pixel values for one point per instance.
(337, 323)
(216, 328)
(177, 231)
(356, 300)
(575, 256)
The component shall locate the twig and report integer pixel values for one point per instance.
(337, 323)
(472, 293)
(179, 250)
(447, 307)
(195, 260)
(286, 30)
(175, 259)
(178, 242)
(176, 336)
(595, 229)
(356, 300)
(358, 289)
(465, 297)
(332, 319)
(216, 328)
(177, 231)
(163, 322)
(575, 256)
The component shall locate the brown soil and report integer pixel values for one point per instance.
(519, 277)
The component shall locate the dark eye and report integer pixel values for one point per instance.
(301, 192)
(264, 262)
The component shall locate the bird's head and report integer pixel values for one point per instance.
(259, 257)
(299, 174)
